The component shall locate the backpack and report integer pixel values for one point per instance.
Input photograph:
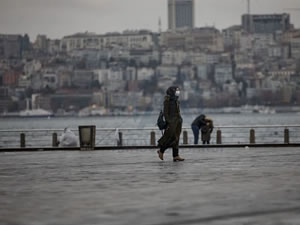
(161, 122)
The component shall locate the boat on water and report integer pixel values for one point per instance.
(92, 110)
(33, 109)
(35, 113)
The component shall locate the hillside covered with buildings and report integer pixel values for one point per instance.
(256, 62)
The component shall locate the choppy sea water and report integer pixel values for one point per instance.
(142, 137)
(145, 121)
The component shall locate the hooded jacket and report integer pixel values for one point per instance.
(171, 105)
(68, 139)
(172, 115)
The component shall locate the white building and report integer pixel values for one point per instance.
(32, 67)
(101, 75)
(261, 44)
(245, 42)
(173, 57)
(145, 74)
(127, 40)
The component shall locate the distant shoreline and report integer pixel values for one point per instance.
(227, 110)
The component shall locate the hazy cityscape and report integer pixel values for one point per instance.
(255, 62)
(93, 131)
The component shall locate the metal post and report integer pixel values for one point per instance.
(120, 142)
(22, 140)
(219, 137)
(185, 137)
(286, 136)
(54, 140)
(152, 138)
(252, 136)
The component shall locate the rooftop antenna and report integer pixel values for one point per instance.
(248, 7)
(159, 25)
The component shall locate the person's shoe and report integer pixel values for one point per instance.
(160, 155)
(178, 158)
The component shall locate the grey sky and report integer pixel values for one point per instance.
(57, 18)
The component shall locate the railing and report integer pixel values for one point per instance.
(254, 134)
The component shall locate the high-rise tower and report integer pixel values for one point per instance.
(181, 13)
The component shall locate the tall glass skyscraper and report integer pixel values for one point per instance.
(181, 13)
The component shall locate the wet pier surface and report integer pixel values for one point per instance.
(213, 186)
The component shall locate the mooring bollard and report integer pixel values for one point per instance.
(185, 137)
(120, 142)
(22, 140)
(286, 136)
(219, 137)
(152, 138)
(252, 136)
(54, 140)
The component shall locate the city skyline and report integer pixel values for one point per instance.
(59, 18)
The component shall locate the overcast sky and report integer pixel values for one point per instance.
(57, 18)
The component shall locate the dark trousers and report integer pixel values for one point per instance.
(174, 152)
(195, 129)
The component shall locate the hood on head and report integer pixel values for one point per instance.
(67, 129)
(202, 116)
(171, 91)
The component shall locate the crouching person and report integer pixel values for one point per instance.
(206, 130)
(68, 139)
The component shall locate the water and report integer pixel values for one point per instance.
(138, 137)
(145, 121)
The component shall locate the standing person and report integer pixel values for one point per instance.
(173, 118)
(196, 126)
(206, 130)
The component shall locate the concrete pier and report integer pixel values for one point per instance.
(212, 186)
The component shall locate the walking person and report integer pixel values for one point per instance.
(173, 118)
(196, 126)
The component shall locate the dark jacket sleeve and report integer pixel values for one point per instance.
(166, 109)
(199, 121)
